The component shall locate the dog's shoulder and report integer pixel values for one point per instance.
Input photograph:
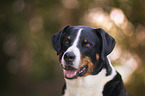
(115, 87)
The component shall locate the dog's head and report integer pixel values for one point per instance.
(82, 50)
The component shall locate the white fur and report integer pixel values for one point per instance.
(91, 85)
(75, 50)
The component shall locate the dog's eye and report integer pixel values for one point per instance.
(67, 42)
(87, 44)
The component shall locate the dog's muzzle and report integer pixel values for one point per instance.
(70, 71)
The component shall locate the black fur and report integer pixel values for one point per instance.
(57, 39)
(101, 43)
(115, 87)
(63, 89)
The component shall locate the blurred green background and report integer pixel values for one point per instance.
(28, 64)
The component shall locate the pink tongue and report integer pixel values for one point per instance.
(70, 73)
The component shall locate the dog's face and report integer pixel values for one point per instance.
(82, 50)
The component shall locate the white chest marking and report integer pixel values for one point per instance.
(91, 85)
(75, 50)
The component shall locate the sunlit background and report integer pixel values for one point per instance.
(28, 64)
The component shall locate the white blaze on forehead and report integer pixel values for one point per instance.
(75, 50)
(77, 38)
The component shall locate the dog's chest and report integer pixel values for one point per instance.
(84, 89)
(87, 86)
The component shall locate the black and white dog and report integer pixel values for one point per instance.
(83, 54)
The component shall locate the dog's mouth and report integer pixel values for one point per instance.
(71, 73)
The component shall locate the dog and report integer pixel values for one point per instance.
(83, 53)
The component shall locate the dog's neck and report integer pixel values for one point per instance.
(91, 85)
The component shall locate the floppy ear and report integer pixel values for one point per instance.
(56, 40)
(108, 43)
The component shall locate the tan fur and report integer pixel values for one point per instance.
(68, 37)
(60, 53)
(87, 61)
(85, 40)
(97, 56)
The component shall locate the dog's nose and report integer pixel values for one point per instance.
(69, 57)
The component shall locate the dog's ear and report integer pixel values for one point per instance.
(56, 39)
(107, 41)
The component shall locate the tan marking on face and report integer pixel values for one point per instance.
(97, 56)
(68, 37)
(87, 61)
(85, 40)
(60, 53)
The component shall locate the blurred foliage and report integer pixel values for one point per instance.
(29, 65)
